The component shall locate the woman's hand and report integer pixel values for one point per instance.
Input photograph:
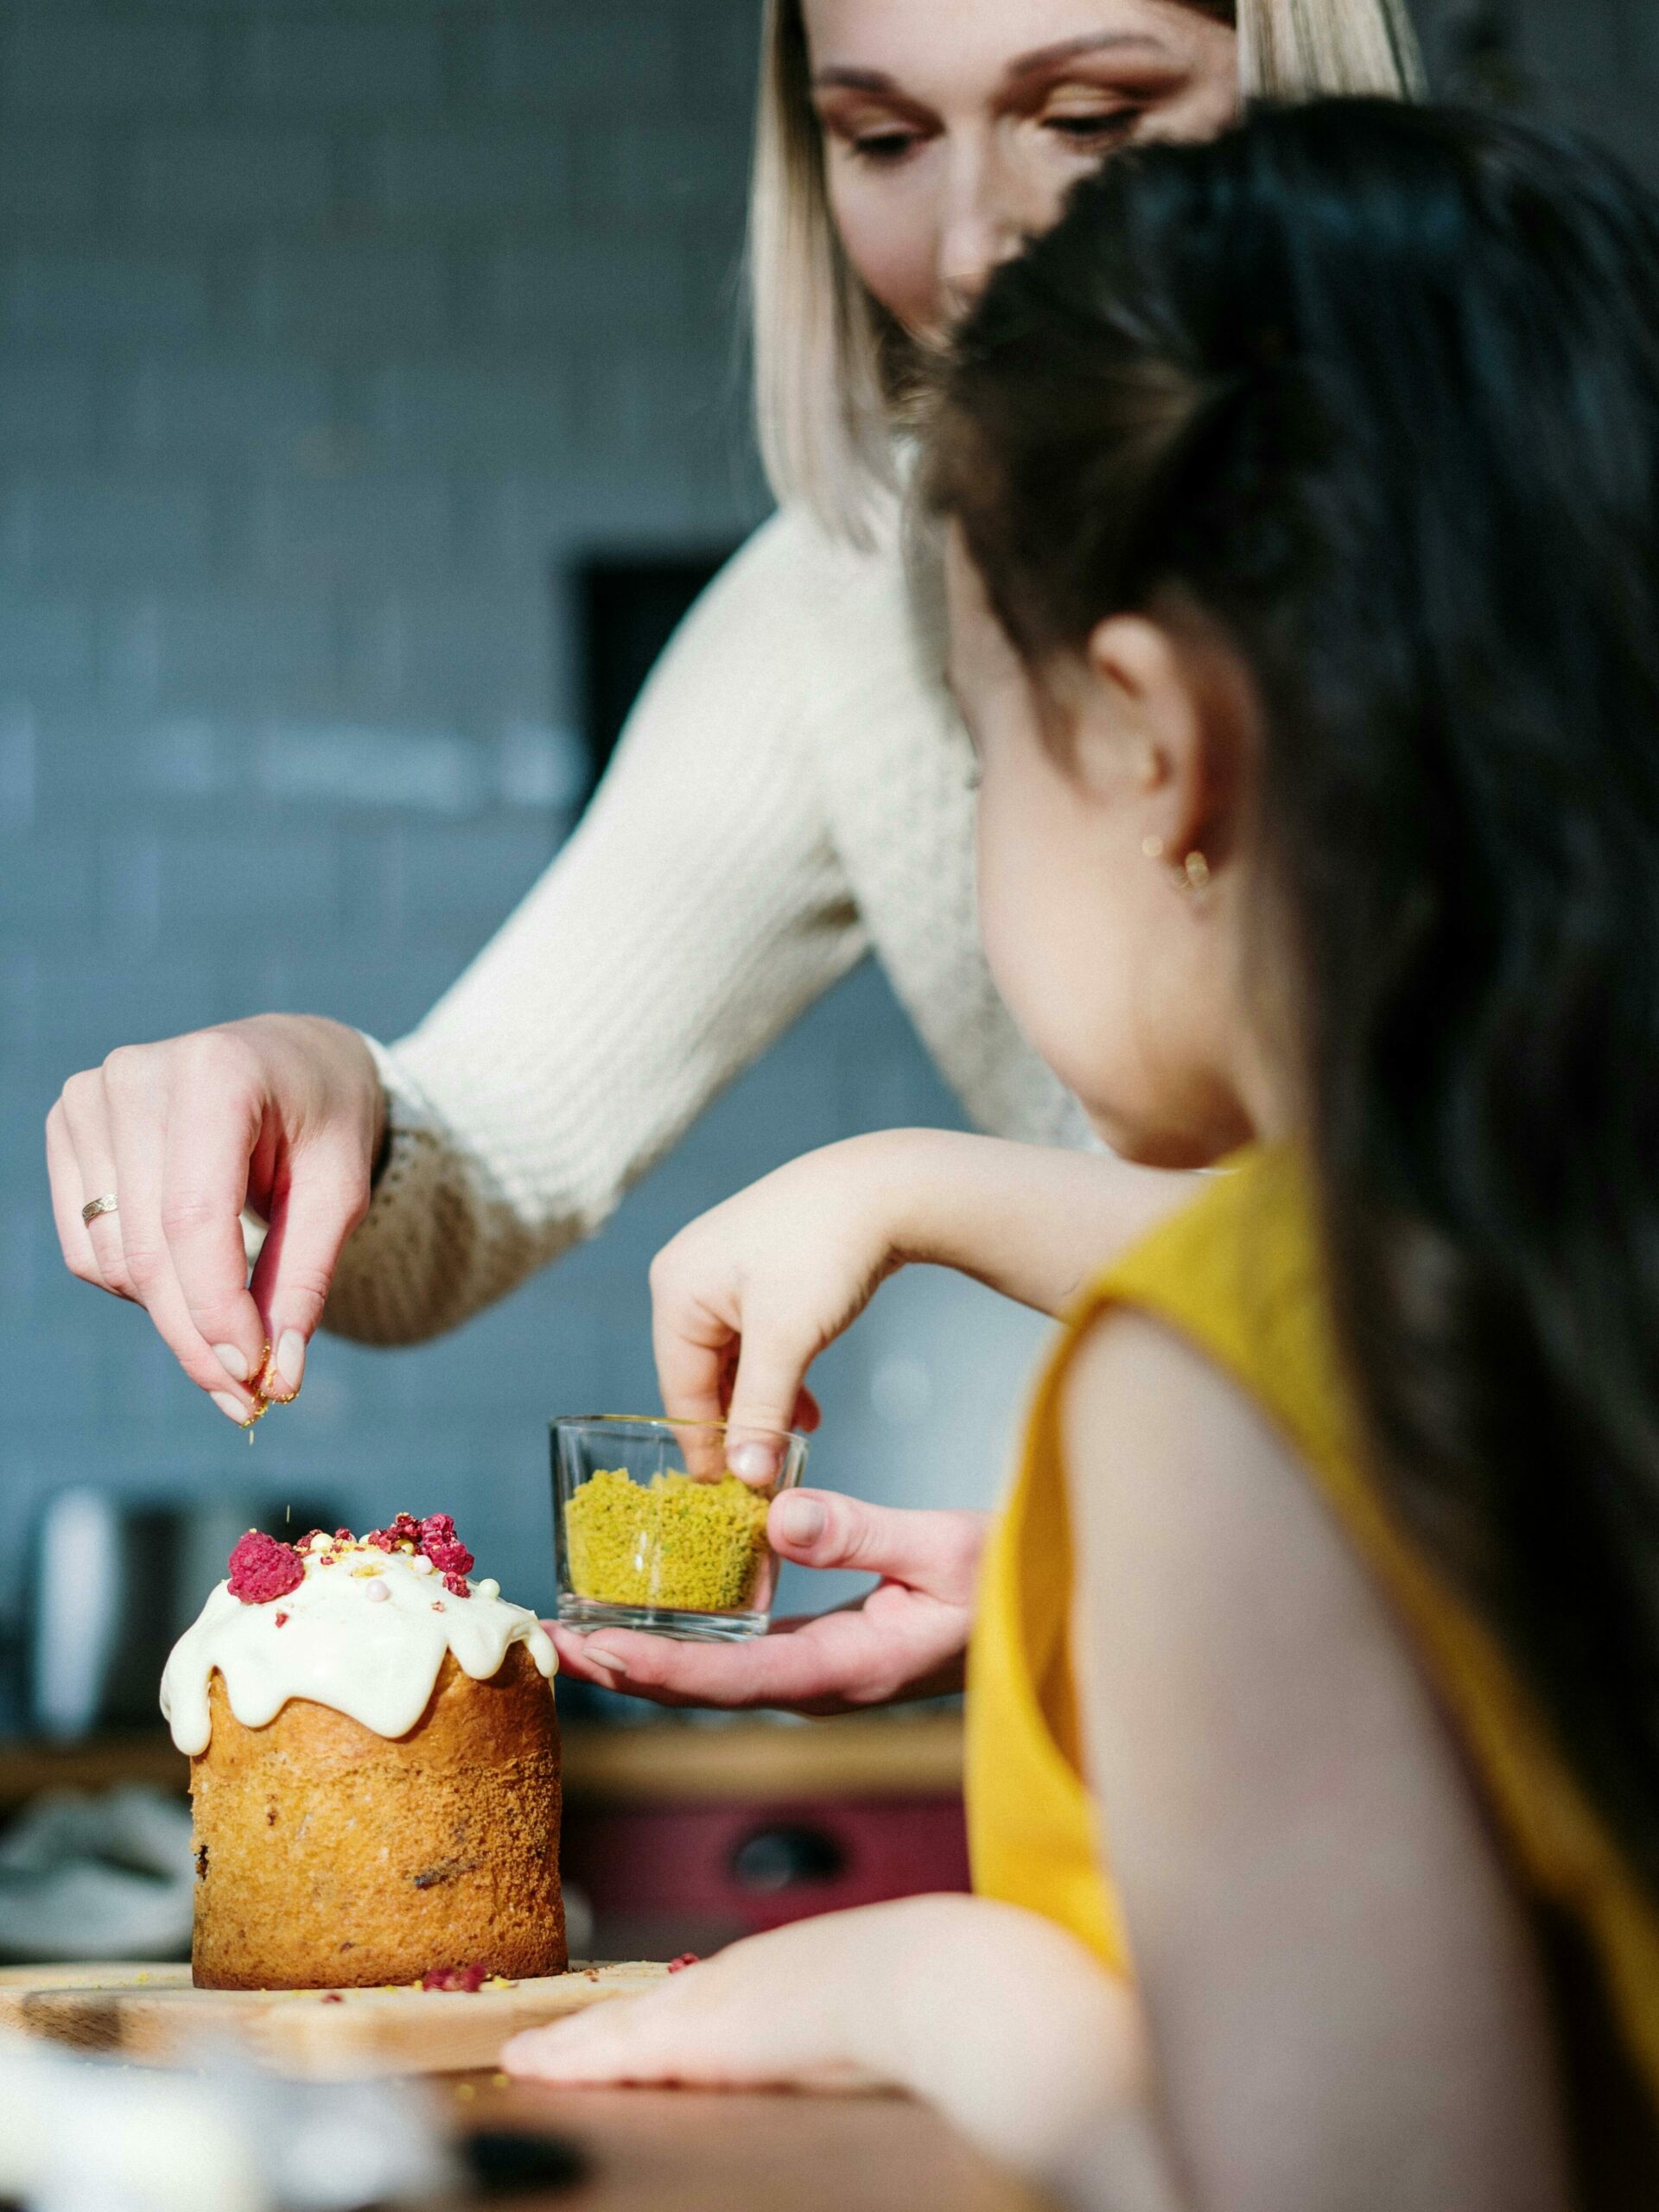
(283, 1114)
(905, 1639)
(998, 2016)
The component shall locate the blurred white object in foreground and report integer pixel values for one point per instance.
(84, 2135)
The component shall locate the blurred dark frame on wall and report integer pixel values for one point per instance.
(626, 606)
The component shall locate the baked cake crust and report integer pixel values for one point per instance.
(328, 1856)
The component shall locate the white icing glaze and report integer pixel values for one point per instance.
(377, 1661)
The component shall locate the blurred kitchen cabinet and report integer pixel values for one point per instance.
(684, 1839)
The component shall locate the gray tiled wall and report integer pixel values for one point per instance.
(328, 330)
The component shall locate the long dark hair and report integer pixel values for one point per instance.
(1377, 389)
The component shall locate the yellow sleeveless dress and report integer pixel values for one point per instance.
(1238, 1274)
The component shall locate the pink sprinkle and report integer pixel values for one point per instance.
(444, 1548)
(377, 1591)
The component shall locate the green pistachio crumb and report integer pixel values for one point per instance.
(696, 1547)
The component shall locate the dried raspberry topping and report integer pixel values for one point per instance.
(686, 1958)
(282, 1620)
(434, 1539)
(404, 1533)
(470, 1978)
(332, 1997)
(443, 1548)
(262, 1568)
(344, 1536)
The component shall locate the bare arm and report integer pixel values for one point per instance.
(1341, 2002)
(747, 1296)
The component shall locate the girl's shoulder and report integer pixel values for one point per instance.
(1236, 1274)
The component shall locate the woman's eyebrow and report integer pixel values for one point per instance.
(852, 80)
(1044, 58)
(839, 77)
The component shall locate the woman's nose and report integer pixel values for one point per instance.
(979, 230)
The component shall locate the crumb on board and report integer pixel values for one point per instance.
(467, 1980)
(332, 1997)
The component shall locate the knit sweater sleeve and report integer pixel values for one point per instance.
(698, 909)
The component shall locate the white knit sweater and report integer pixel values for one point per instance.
(792, 791)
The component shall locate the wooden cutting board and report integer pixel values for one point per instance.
(152, 2014)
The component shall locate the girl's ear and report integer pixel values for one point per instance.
(1181, 702)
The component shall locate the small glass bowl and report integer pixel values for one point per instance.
(650, 1530)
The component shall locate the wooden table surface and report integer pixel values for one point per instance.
(700, 2150)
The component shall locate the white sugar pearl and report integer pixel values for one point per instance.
(377, 1592)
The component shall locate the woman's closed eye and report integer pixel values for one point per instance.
(871, 126)
(889, 144)
(1093, 129)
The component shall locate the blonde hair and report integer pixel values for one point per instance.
(831, 366)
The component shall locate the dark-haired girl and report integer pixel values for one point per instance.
(1305, 500)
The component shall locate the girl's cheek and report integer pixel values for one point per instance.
(1017, 925)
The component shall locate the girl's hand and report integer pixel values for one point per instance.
(996, 2016)
(746, 1298)
(283, 1114)
(905, 1639)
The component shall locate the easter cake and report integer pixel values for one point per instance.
(374, 1767)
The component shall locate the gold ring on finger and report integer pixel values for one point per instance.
(93, 1207)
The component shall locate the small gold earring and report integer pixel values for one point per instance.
(1197, 870)
(1153, 848)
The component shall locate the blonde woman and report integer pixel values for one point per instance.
(794, 785)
